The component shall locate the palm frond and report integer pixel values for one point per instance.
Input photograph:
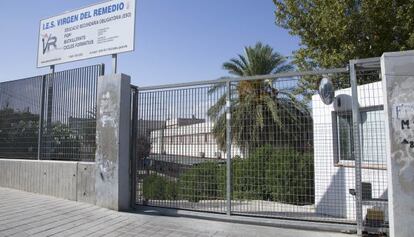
(219, 131)
(299, 105)
(273, 107)
(260, 115)
(233, 69)
(244, 60)
(215, 110)
(214, 88)
(239, 63)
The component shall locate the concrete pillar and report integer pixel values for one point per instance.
(398, 84)
(112, 185)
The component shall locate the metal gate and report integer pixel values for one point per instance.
(265, 146)
(369, 150)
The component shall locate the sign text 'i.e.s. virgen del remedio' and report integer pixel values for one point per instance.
(98, 30)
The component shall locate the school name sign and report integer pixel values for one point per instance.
(98, 30)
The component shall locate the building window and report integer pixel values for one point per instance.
(344, 136)
(372, 132)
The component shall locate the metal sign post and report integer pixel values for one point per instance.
(114, 63)
(49, 106)
(42, 112)
(42, 109)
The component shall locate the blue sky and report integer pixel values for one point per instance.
(176, 40)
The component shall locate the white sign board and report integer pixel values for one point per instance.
(101, 29)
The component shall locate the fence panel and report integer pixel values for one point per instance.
(20, 108)
(374, 184)
(180, 165)
(62, 105)
(69, 120)
(288, 167)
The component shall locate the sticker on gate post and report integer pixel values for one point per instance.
(403, 124)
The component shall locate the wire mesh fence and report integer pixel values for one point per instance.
(179, 162)
(373, 148)
(51, 117)
(273, 126)
(19, 118)
(291, 155)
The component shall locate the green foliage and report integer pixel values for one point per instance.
(269, 173)
(257, 60)
(159, 188)
(274, 174)
(260, 112)
(18, 133)
(202, 182)
(333, 32)
(19, 137)
(63, 144)
(143, 147)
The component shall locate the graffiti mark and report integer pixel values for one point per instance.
(406, 142)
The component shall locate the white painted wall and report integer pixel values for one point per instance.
(333, 181)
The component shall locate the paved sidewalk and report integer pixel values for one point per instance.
(26, 214)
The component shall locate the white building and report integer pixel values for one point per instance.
(187, 137)
(334, 163)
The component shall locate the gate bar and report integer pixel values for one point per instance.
(228, 146)
(250, 78)
(357, 146)
(42, 111)
(133, 145)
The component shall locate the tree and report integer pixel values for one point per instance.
(143, 147)
(261, 113)
(19, 137)
(18, 133)
(333, 32)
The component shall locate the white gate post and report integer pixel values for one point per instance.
(398, 84)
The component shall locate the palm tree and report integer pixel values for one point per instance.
(261, 113)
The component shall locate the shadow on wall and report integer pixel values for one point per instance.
(333, 202)
(383, 205)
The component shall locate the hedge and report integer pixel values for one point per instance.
(157, 187)
(201, 182)
(273, 174)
